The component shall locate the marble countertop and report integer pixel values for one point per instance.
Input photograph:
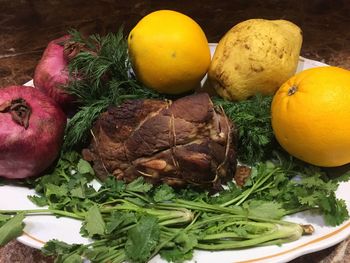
(26, 26)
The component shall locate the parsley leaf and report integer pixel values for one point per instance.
(84, 167)
(94, 223)
(118, 220)
(142, 239)
(334, 210)
(139, 185)
(264, 209)
(65, 253)
(163, 193)
(182, 249)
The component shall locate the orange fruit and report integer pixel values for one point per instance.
(311, 116)
(169, 52)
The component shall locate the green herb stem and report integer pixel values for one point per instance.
(255, 187)
(204, 207)
(283, 232)
(28, 212)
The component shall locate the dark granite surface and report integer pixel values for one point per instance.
(26, 26)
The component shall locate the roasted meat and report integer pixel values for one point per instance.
(187, 141)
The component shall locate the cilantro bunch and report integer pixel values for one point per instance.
(134, 222)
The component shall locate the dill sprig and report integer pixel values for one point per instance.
(100, 77)
(253, 121)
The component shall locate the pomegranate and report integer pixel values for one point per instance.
(31, 131)
(52, 75)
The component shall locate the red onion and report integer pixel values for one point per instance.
(31, 131)
(51, 74)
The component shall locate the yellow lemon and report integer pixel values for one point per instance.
(169, 52)
(311, 116)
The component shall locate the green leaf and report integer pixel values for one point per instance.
(84, 167)
(95, 253)
(94, 223)
(72, 258)
(56, 190)
(142, 239)
(56, 247)
(186, 242)
(118, 220)
(38, 200)
(78, 192)
(139, 185)
(137, 201)
(11, 229)
(265, 209)
(175, 255)
(113, 185)
(64, 253)
(342, 178)
(241, 231)
(309, 200)
(163, 193)
(334, 210)
(225, 195)
(311, 182)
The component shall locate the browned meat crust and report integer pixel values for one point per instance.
(187, 141)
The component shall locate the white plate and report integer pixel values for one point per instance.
(40, 229)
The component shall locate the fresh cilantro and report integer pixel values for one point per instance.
(182, 248)
(56, 192)
(67, 186)
(164, 193)
(343, 177)
(334, 210)
(65, 253)
(309, 200)
(142, 239)
(84, 167)
(264, 209)
(108, 253)
(119, 220)
(70, 258)
(94, 223)
(139, 185)
(175, 255)
(226, 195)
(78, 191)
(38, 200)
(134, 221)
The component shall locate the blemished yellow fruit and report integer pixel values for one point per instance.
(311, 116)
(255, 56)
(169, 52)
